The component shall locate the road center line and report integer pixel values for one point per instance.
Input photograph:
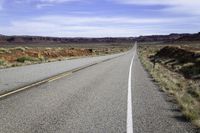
(129, 121)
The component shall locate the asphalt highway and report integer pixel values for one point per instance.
(16, 77)
(96, 99)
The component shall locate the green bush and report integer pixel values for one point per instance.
(20, 48)
(4, 50)
(1, 62)
(26, 58)
(42, 58)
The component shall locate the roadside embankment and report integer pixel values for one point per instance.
(18, 56)
(177, 70)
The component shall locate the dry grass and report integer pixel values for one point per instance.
(186, 91)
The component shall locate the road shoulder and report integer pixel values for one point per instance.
(153, 110)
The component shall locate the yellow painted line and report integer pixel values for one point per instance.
(59, 77)
(50, 79)
(35, 84)
(21, 89)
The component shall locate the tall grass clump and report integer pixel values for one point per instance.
(20, 48)
(26, 58)
(4, 50)
(2, 62)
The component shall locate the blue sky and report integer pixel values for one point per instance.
(98, 18)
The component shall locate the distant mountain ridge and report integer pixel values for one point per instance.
(171, 38)
(39, 39)
(65, 40)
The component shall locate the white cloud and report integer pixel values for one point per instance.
(160, 2)
(56, 1)
(84, 26)
(45, 3)
(42, 5)
(70, 31)
(179, 6)
(71, 20)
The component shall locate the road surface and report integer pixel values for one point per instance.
(96, 99)
(17, 77)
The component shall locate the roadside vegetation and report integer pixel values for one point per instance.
(177, 70)
(2, 62)
(18, 56)
(27, 58)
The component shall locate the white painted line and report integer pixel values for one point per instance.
(129, 122)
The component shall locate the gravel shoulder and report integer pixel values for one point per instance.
(153, 110)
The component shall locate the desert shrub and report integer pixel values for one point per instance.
(26, 58)
(20, 48)
(90, 50)
(27, 47)
(42, 58)
(4, 50)
(193, 93)
(48, 48)
(1, 62)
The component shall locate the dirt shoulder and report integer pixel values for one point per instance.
(177, 70)
(18, 56)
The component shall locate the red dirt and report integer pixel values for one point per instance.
(53, 53)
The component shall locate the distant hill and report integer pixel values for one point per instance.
(190, 37)
(165, 38)
(170, 38)
(4, 40)
(38, 39)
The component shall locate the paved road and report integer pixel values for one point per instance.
(17, 77)
(93, 100)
